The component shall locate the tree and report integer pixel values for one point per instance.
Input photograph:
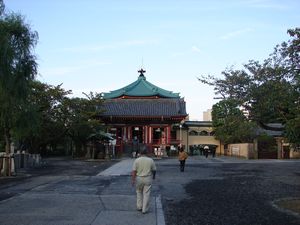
(50, 119)
(42, 120)
(230, 124)
(17, 68)
(269, 91)
(34, 114)
(293, 131)
(1, 7)
(83, 119)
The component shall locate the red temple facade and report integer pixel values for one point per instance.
(144, 113)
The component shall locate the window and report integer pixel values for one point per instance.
(193, 133)
(203, 133)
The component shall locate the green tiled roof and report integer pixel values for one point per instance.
(144, 107)
(140, 88)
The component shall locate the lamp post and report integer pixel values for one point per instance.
(180, 134)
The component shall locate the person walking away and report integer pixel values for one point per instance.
(135, 147)
(143, 172)
(182, 156)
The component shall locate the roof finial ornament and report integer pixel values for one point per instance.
(142, 71)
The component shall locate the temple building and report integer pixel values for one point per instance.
(144, 113)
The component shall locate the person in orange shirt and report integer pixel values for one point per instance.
(182, 156)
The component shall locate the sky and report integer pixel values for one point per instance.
(99, 45)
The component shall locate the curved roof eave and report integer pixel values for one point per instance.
(139, 88)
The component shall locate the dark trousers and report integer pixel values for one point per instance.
(206, 153)
(182, 164)
(213, 153)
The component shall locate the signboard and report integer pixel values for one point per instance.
(235, 150)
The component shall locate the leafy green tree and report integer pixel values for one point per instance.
(83, 119)
(293, 131)
(17, 68)
(269, 91)
(230, 124)
(42, 122)
(1, 7)
(51, 119)
(34, 114)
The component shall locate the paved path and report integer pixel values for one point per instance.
(105, 199)
(109, 199)
(155, 214)
(123, 167)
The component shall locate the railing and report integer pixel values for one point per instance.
(10, 163)
(170, 141)
(7, 167)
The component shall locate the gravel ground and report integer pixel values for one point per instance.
(210, 191)
(230, 194)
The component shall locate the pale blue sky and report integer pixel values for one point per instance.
(97, 45)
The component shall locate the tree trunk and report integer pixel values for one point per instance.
(6, 168)
(7, 140)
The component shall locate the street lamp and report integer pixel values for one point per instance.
(180, 134)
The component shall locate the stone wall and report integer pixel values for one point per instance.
(243, 150)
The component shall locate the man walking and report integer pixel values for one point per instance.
(182, 156)
(143, 171)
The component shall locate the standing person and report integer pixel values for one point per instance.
(143, 171)
(206, 150)
(182, 156)
(135, 147)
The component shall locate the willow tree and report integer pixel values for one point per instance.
(17, 68)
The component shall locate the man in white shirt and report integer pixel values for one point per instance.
(143, 171)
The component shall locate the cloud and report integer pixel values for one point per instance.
(66, 70)
(266, 4)
(177, 54)
(87, 48)
(79, 92)
(114, 45)
(59, 70)
(188, 51)
(235, 34)
(196, 49)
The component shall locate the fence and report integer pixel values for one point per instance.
(11, 163)
(6, 165)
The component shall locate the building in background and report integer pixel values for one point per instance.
(198, 134)
(143, 113)
(207, 115)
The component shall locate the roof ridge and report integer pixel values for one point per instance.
(140, 88)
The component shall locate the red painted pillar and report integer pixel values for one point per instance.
(146, 134)
(168, 134)
(150, 135)
(129, 133)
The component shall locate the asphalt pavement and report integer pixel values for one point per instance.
(105, 199)
(122, 208)
(230, 191)
(219, 190)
